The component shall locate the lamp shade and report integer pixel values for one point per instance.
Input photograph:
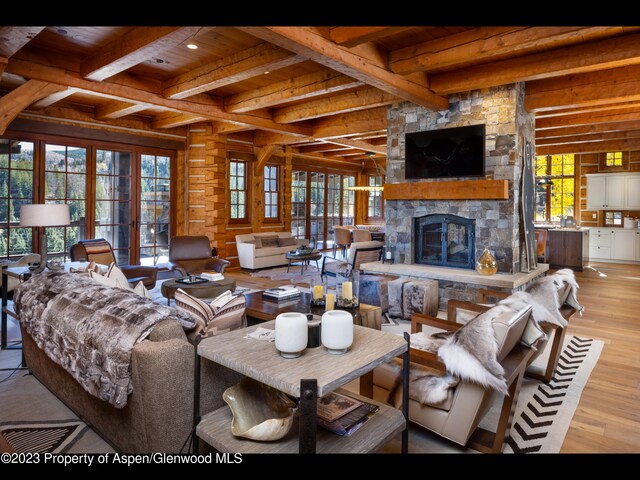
(44, 215)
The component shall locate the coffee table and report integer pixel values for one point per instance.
(200, 290)
(259, 310)
(304, 259)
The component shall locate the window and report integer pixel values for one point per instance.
(375, 208)
(155, 207)
(238, 190)
(348, 200)
(555, 187)
(16, 189)
(299, 204)
(613, 159)
(65, 181)
(612, 219)
(316, 210)
(271, 192)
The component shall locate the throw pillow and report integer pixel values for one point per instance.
(141, 290)
(220, 301)
(228, 313)
(269, 241)
(106, 281)
(286, 241)
(120, 278)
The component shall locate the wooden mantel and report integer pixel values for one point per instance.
(455, 190)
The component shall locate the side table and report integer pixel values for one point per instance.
(22, 274)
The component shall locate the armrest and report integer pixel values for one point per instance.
(454, 305)
(567, 312)
(427, 359)
(487, 293)
(216, 264)
(176, 268)
(135, 271)
(515, 361)
(420, 319)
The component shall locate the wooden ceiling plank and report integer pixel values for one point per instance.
(232, 69)
(621, 115)
(587, 129)
(364, 121)
(297, 88)
(116, 91)
(262, 138)
(118, 109)
(602, 54)
(485, 44)
(53, 98)
(3, 64)
(590, 147)
(366, 146)
(352, 36)
(363, 99)
(13, 39)
(589, 109)
(171, 120)
(136, 46)
(594, 137)
(17, 100)
(310, 44)
(584, 89)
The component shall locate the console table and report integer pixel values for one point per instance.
(314, 374)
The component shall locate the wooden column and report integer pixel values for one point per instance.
(287, 172)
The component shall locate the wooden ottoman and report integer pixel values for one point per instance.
(374, 290)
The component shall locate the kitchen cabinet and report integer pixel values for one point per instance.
(600, 243)
(623, 244)
(633, 192)
(638, 245)
(606, 191)
(568, 248)
(614, 244)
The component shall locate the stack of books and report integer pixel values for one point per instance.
(281, 294)
(342, 414)
(212, 276)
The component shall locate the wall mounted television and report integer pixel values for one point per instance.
(445, 153)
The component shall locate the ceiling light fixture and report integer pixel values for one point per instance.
(379, 172)
(192, 46)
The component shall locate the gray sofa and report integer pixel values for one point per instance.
(158, 416)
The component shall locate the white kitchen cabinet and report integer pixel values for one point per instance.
(638, 245)
(606, 191)
(623, 244)
(633, 192)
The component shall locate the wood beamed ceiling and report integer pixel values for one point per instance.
(322, 91)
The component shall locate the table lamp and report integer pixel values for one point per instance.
(40, 216)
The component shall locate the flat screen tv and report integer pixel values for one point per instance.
(445, 153)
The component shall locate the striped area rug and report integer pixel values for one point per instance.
(43, 437)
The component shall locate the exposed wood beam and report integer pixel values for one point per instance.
(53, 98)
(117, 91)
(587, 129)
(347, 102)
(13, 39)
(232, 69)
(590, 109)
(327, 147)
(171, 120)
(264, 154)
(589, 138)
(136, 46)
(262, 138)
(362, 145)
(584, 89)
(352, 36)
(621, 115)
(363, 121)
(3, 64)
(327, 162)
(484, 44)
(221, 127)
(118, 109)
(598, 55)
(308, 43)
(590, 147)
(297, 88)
(20, 98)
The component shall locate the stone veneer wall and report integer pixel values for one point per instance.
(508, 127)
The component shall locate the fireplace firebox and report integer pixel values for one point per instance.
(445, 240)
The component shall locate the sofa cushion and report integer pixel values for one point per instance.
(270, 251)
(286, 241)
(266, 242)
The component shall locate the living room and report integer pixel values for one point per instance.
(227, 150)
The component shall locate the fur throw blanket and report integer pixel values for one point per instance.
(470, 353)
(90, 329)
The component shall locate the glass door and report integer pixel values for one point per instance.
(316, 214)
(113, 210)
(155, 205)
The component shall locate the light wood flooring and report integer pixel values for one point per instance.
(608, 416)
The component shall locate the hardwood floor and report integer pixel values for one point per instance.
(608, 416)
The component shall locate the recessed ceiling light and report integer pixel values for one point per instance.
(62, 31)
(192, 46)
(267, 72)
(158, 60)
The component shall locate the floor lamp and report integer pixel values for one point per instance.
(40, 216)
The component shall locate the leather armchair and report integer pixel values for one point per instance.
(100, 251)
(457, 417)
(192, 255)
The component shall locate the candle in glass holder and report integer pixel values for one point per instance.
(347, 290)
(318, 292)
(330, 301)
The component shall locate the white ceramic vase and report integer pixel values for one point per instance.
(291, 334)
(337, 331)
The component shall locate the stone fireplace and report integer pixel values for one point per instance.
(444, 240)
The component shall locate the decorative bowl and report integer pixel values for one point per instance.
(304, 250)
(259, 411)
